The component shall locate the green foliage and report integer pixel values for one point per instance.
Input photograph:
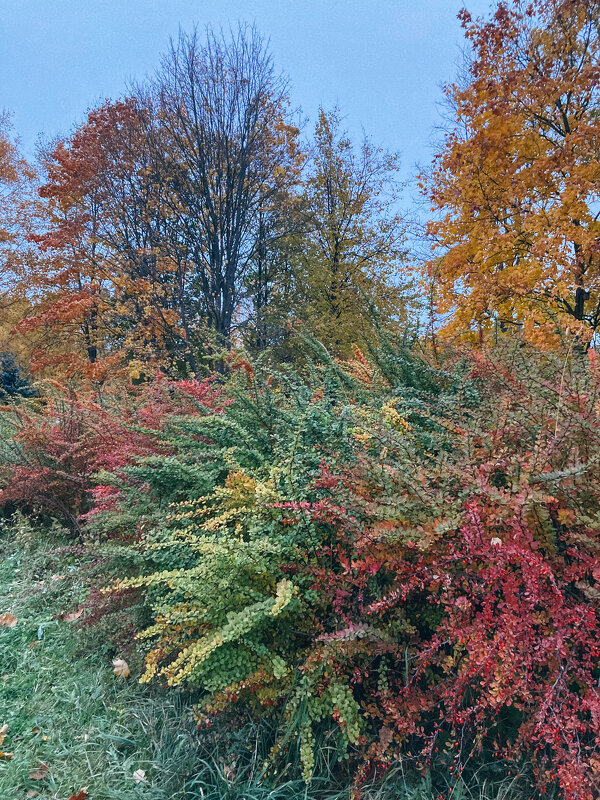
(315, 552)
(229, 618)
(12, 381)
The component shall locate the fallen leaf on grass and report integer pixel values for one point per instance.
(71, 617)
(40, 772)
(32, 793)
(80, 795)
(8, 620)
(3, 732)
(121, 667)
(57, 577)
(5, 756)
(139, 776)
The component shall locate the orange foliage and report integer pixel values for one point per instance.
(517, 179)
(103, 289)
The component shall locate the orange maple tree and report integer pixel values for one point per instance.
(16, 184)
(516, 186)
(103, 291)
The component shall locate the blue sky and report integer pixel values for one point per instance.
(381, 61)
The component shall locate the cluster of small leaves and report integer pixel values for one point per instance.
(401, 553)
(252, 522)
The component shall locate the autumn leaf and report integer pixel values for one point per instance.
(71, 616)
(40, 772)
(121, 667)
(8, 620)
(3, 732)
(80, 795)
(5, 756)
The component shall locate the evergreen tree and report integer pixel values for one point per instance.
(12, 381)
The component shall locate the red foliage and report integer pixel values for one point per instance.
(60, 446)
(483, 634)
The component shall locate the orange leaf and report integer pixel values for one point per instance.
(8, 620)
(80, 795)
(71, 617)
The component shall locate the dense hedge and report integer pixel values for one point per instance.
(400, 554)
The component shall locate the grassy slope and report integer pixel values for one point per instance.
(67, 710)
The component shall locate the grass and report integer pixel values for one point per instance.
(72, 723)
(66, 710)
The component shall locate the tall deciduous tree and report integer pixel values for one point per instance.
(18, 257)
(161, 203)
(231, 152)
(16, 181)
(518, 182)
(71, 289)
(353, 245)
(109, 199)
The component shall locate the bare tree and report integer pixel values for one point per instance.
(230, 151)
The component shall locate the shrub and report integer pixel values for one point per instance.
(398, 555)
(58, 445)
(12, 381)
